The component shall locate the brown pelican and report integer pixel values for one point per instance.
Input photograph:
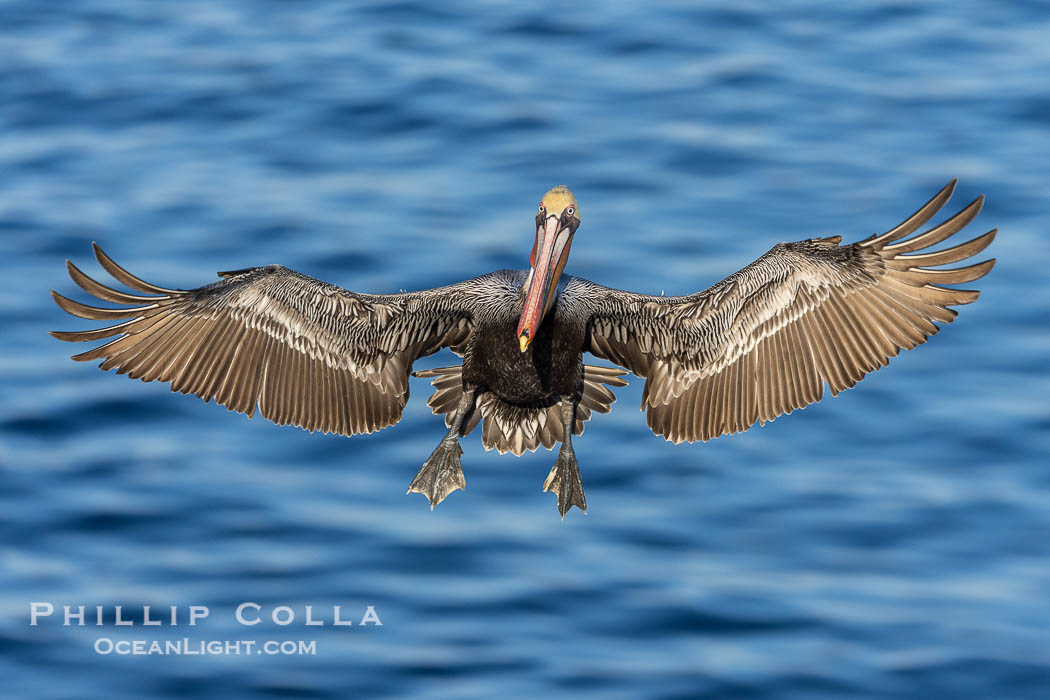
(760, 343)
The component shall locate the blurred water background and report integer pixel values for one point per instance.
(891, 542)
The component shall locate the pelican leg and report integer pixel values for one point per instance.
(564, 478)
(442, 473)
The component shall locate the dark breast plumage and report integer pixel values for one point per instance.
(548, 369)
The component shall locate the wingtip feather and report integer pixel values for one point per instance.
(122, 275)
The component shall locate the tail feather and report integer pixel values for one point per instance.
(510, 428)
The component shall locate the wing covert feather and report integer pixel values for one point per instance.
(767, 339)
(300, 350)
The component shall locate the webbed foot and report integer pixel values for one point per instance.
(564, 480)
(441, 474)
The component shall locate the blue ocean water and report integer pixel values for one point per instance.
(891, 542)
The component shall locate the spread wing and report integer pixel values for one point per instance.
(766, 340)
(305, 352)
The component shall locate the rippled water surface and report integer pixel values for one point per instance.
(890, 542)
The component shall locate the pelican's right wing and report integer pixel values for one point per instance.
(765, 340)
(305, 352)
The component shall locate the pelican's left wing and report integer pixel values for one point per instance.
(305, 352)
(765, 340)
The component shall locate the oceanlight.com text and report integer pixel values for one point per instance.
(204, 647)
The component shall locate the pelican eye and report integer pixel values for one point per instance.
(570, 211)
(542, 208)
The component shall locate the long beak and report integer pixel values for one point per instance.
(548, 262)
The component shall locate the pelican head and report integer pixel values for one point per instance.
(556, 222)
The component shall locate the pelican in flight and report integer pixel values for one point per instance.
(760, 343)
